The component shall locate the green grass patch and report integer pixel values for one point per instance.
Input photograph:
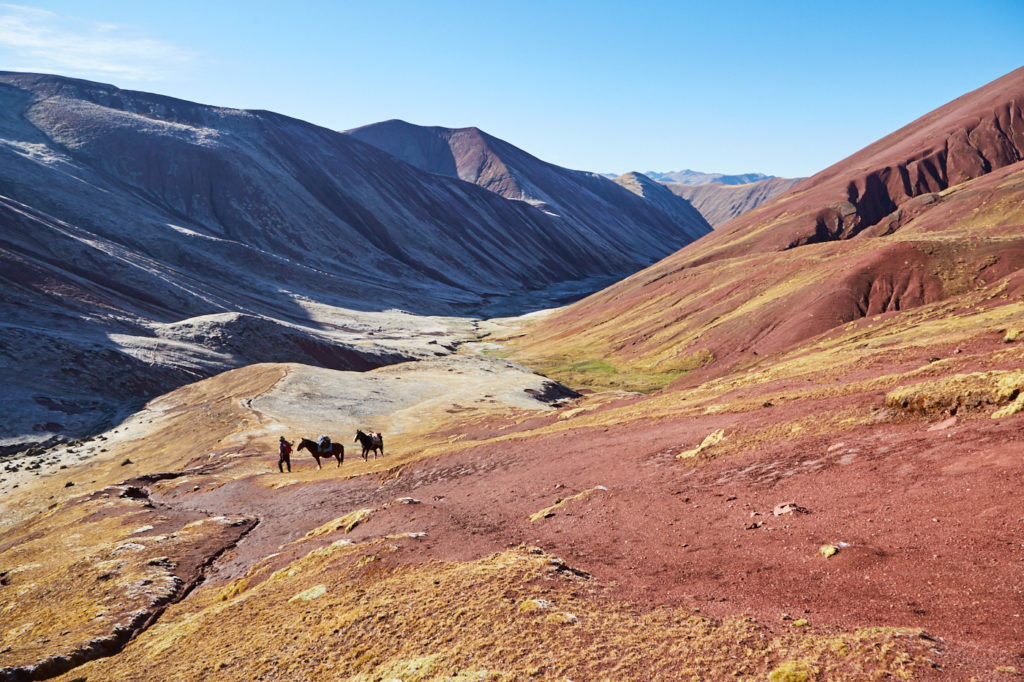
(598, 374)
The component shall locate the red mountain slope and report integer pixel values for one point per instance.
(967, 138)
(928, 213)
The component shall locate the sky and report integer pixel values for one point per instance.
(784, 88)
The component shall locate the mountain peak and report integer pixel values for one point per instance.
(500, 167)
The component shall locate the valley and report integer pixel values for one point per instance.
(789, 450)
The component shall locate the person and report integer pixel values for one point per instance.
(285, 455)
(324, 443)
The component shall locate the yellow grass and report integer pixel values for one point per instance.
(466, 620)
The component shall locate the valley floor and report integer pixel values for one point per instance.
(786, 523)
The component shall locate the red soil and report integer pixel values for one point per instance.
(931, 518)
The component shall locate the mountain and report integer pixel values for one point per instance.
(719, 203)
(927, 214)
(692, 177)
(587, 202)
(656, 193)
(146, 241)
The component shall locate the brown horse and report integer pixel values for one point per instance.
(374, 442)
(337, 451)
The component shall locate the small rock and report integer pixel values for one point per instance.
(828, 550)
(789, 508)
(126, 462)
(69, 484)
(312, 593)
(752, 526)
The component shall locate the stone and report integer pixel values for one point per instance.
(789, 508)
(312, 593)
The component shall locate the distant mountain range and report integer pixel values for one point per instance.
(720, 203)
(692, 177)
(718, 197)
(147, 241)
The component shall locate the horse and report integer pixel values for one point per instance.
(337, 451)
(374, 442)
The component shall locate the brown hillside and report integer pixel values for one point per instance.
(746, 290)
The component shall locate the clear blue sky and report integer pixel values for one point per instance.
(785, 88)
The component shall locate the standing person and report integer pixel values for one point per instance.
(285, 455)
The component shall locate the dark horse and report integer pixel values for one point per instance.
(337, 451)
(374, 442)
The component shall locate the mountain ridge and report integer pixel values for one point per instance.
(692, 177)
(587, 200)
